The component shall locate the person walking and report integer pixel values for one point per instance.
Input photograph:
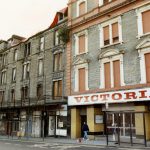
(85, 130)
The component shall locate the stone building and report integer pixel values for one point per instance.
(32, 96)
(108, 67)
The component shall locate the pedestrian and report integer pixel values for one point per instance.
(85, 130)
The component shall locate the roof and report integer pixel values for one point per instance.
(55, 21)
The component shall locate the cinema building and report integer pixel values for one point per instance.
(109, 61)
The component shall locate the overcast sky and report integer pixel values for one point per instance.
(27, 17)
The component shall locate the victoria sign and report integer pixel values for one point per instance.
(110, 97)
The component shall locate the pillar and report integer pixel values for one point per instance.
(75, 123)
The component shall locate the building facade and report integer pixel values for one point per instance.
(33, 102)
(108, 77)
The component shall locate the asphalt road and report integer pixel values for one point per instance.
(15, 145)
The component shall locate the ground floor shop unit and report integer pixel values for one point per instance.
(123, 116)
(34, 122)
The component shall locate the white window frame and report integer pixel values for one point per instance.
(142, 53)
(109, 23)
(26, 68)
(42, 40)
(14, 74)
(40, 67)
(139, 12)
(15, 55)
(76, 70)
(85, 32)
(78, 4)
(110, 60)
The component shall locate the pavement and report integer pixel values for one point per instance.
(65, 140)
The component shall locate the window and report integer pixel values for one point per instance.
(26, 70)
(61, 122)
(2, 96)
(103, 2)
(57, 39)
(57, 89)
(81, 77)
(81, 7)
(12, 95)
(111, 69)
(39, 91)
(40, 67)
(81, 42)
(60, 16)
(110, 32)
(24, 93)
(4, 59)
(42, 43)
(81, 81)
(27, 49)
(143, 15)
(3, 77)
(147, 66)
(15, 55)
(13, 74)
(58, 62)
(144, 57)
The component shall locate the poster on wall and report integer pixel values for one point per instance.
(98, 118)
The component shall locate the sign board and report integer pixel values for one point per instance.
(98, 118)
(110, 97)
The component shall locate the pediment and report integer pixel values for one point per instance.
(79, 61)
(144, 44)
(108, 53)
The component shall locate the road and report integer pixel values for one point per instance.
(16, 145)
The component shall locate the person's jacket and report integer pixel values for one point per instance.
(85, 127)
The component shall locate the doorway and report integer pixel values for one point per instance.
(51, 126)
(83, 119)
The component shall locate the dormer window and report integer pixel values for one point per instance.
(60, 17)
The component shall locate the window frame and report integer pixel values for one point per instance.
(76, 72)
(40, 71)
(14, 70)
(78, 4)
(110, 60)
(85, 32)
(109, 23)
(42, 43)
(58, 92)
(139, 12)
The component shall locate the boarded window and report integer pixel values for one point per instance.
(39, 91)
(116, 67)
(58, 62)
(146, 21)
(107, 75)
(115, 35)
(81, 8)
(57, 89)
(147, 63)
(106, 35)
(82, 80)
(81, 44)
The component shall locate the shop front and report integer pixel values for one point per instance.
(123, 112)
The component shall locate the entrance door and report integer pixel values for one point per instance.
(51, 125)
(123, 121)
(83, 119)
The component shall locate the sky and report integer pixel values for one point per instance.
(27, 17)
